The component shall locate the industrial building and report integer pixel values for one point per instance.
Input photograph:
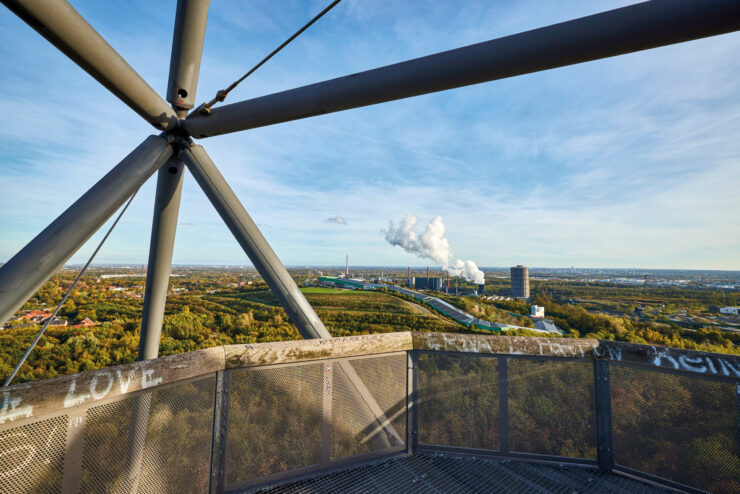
(520, 282)
(353, 284)
(421, 283)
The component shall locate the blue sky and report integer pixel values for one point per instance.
(627, 162)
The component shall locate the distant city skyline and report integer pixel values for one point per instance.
(629, 161)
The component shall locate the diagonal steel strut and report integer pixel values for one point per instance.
(33, 265)
(64, 27)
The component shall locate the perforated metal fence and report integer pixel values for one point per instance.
(152, 442)
(275, 418)
(289, 419)
(551, 408)
(156, 441)
(459, 401)
(507, 405)
(247, 428)
(668, 426)
(32, 456)
(677, 427)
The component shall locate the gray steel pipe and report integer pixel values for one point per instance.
(64, 27)
(254, 243)
(616, 32)
(164, 227)
(30, 268)
(187, 48)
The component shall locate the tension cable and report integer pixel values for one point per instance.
(205, 108)
(66, 295)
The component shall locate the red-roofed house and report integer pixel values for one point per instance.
(37, 315)
(85, 323)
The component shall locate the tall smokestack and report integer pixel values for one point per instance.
(427, 277)
(408, 276)
(347, 272)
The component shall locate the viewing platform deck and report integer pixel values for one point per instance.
(424, 473)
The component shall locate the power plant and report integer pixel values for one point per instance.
(426, 283)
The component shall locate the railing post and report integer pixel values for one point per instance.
(737, 407)
(603, 415)
(503, 403)
(220, 430)
(326, 407)
(412, 401)
(73, 451)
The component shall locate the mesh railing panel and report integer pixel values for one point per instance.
(551, 408)
(355, 429)
(458, 401)
(160, 441)
(32, 457)
(275, 420)
(177, 457)
(680, 428)
(111, 441)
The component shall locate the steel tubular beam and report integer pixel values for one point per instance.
(25, 272)
(164, 227)
(616, 32)
(64, 27)
(254, 243)
(187, 48)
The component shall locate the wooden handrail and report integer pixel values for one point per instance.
(33, 399)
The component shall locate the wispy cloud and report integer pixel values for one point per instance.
(337, 220)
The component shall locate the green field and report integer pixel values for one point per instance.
(317, 289)
(347, 312)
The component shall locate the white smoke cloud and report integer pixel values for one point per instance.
(431, 244)
(468, 270)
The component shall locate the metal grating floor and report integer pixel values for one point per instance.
(424, 473)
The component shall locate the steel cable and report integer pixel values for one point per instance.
(66, 295)
(221, 94)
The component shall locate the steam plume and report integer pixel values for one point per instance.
(430, 244)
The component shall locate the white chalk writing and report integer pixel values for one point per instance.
(614, 353)
(147, 381)
(102, 382)
(125, 382)
(30, 450)
(94, 391)
(11, 410)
